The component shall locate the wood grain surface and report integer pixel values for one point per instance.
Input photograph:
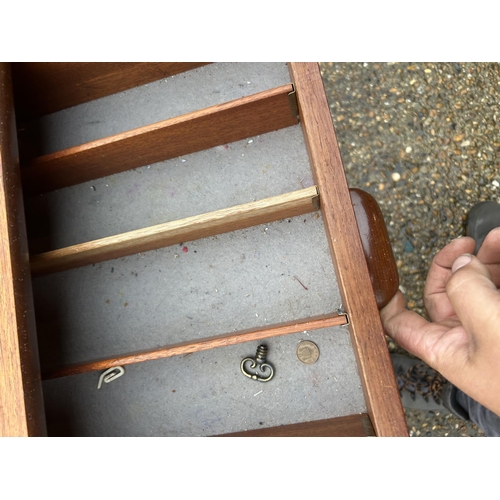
(21, 401)
(376, 246)
(220, 124)
(375, 368)
(183, 348)
(171, 233)
(349, 426)
(46, 87)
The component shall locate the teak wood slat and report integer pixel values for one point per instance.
(375, 368)
(171, 233)
(350, 426)
(43, 88)
(21, 401)
(220, 124)
(188, 347)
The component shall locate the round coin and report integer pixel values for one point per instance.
(307, 352)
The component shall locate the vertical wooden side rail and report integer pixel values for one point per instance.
(374, 363)
(21, 400)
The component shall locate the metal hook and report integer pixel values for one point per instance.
(110, 374)
(259, 363)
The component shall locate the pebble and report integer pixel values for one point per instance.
(396, 176)
(408, 247)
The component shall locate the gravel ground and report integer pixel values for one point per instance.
(423, 139)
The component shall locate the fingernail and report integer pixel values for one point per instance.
(461, 261)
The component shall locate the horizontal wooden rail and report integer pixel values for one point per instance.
(41, 88)
(183, 348)
(228, 122)
(171, 233)
(358, 425)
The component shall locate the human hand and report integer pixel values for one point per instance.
(462, 340)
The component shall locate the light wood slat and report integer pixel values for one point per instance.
(183, 348)
(375, 368)
(349, 426)
(171, 233)
(21, 401)
(228, 122)
(46, 87)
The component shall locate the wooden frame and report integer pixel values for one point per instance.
(375, 367)
(21, 400)
(256, 114)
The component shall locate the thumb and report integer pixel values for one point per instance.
(474, 296)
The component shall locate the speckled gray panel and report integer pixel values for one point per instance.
(250, 278)
(205, 393)
(243, 279)
(220, 177)
(173, 96)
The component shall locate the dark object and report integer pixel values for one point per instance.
(483, 217)
(258, 365)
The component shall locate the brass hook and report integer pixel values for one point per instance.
(259, 365)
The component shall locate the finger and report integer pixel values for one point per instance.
(436, 301)
(475, 299)
(440, 269)
(408, 329)
(489, 254)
